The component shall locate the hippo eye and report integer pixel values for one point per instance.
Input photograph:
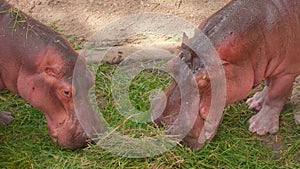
(67, 93)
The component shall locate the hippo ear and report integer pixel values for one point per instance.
(185, 37)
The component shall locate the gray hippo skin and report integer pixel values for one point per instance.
(256, 41)
(38, 64)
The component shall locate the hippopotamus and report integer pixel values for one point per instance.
(39, 64)
(255, 41)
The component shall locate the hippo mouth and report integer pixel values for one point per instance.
(78, 139)
(68, 133)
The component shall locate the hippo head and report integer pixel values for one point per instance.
(48, 81)
(167, 107)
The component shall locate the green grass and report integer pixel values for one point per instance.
(26, 143)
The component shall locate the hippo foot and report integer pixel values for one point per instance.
(265, 121)
(6, 118)
(257, 100)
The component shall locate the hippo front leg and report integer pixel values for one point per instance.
(257, 100)
(277, 93)
(6, 118)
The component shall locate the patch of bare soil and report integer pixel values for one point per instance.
(274, 143)
(84, 17)
(295, 100)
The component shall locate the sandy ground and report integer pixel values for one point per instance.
(84, 17)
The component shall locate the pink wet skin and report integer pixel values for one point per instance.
(38, 64)
(256, 41)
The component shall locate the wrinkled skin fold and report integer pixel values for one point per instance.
(255, 41)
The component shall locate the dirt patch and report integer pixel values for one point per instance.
(274, 143)
(84, 17)
(295, 100)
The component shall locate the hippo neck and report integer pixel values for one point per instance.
(235, 26)
(244, 30)
(24, 42)
(31, 32)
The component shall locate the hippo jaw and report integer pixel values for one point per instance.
(68, 133)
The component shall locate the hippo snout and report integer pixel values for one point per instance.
(68, 133)
(79, 139)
